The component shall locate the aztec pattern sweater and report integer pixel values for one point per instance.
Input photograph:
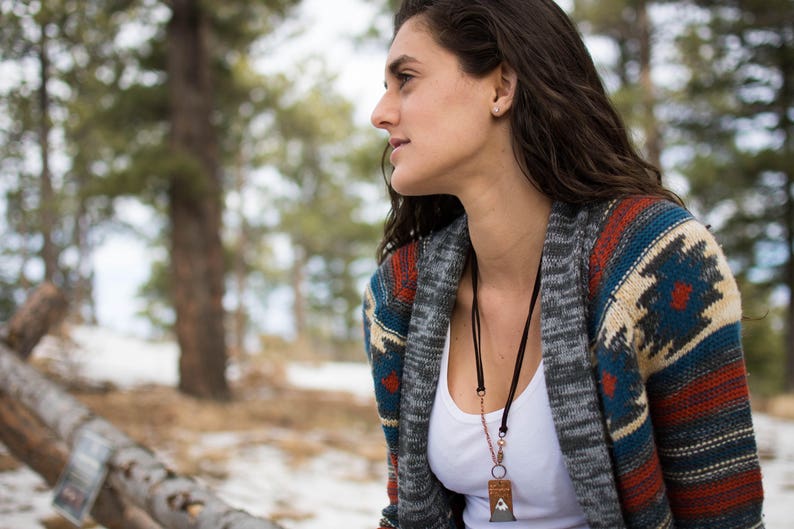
(645, 373)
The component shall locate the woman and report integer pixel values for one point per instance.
(554, 340)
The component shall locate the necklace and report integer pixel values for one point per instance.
(500, 491)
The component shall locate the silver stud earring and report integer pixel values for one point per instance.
(495, 110)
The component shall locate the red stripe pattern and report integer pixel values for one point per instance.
(619, 220)
(705, 396)
(681, 427)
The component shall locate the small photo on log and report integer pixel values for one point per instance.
(81, 479)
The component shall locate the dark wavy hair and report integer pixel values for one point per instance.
(568, 139)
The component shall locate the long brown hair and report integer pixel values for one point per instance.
(568, 139)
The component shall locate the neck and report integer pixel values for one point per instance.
(507, 221)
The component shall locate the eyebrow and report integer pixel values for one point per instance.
(396, 64)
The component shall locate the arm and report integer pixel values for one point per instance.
(665, 328)
(389, 514)
(388, 301)
(672, 376)
(697, 384)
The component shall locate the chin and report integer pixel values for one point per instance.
(401, 184)
(410, 186)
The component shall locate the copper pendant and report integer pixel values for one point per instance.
(500, 493)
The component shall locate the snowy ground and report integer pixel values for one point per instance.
(334, 489)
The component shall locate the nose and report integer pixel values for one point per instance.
(385, 113)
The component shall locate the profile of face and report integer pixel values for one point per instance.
(442, 122)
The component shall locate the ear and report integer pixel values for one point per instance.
(505, 82)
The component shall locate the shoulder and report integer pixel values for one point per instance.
(395, 278)
(392, 288)
(387, 307)
(646, 233)
(390, 292)
(656, 269)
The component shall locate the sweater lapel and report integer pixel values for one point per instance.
(569, 371)
(572, 389)
(443, 257)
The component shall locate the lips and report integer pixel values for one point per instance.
(396, 143)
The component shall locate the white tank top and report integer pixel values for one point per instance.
(543, 495)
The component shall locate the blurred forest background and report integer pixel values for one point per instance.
(255, 183)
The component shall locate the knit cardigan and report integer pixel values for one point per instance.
(645, 373)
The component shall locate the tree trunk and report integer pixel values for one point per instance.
(46, 194)
(23, 433)
(653, 140)
(240, 274)
(39, 419)
(195, 207)
(787, 126)
(82, 291)
(299, 303)
(788, 347)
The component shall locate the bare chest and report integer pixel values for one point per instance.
(499, 347)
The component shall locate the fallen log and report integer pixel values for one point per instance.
(173, 501)
(30, 441)
(23, 434)
(44, 309)
(41, 422)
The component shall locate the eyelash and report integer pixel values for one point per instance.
(403, 78)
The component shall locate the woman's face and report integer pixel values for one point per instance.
(439, 119)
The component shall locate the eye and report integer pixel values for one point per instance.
(403, 78)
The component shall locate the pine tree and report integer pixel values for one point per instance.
(326, 159)
(631, 28)
(198, 42)
(733, 123)
(51, 50)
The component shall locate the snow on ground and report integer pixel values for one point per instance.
(328, 489)
(102, 355)
(24, 499)
(776, 438)
(334, 376)
(334, 489)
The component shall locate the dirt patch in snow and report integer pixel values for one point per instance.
(303, 423)
(780, 406)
